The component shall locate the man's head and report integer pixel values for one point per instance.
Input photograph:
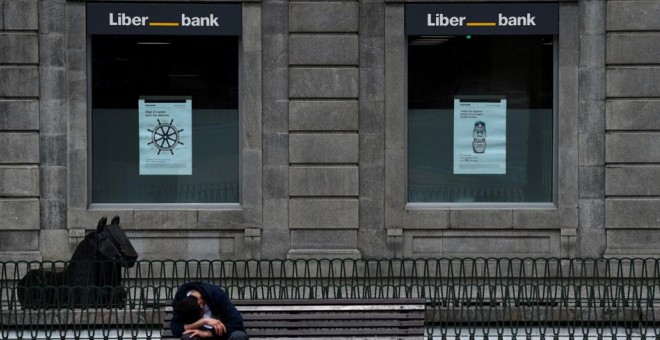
(190, 308)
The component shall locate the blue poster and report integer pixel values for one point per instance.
(480, 136)
(165, 128)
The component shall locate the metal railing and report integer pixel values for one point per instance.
(468, 297)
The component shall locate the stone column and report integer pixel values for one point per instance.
(591, 135)
(323, 140)
(19, 130)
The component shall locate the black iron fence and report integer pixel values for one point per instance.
(466, 298)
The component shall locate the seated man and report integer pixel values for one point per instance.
(204, 311)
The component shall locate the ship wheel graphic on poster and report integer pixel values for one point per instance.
(165, 136)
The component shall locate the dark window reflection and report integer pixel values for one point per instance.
(125, 68)
(518, 68)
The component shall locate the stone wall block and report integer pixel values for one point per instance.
(591, 148)
(324, 239)
(170, 219)
(372, 117)
(372, 84)
(17, 181)
(276, 152)
(19, 241)
(20, 81)
(251, 34)
(251, 101)
(323, 16)
(19, 214)
(633, 114)
(21, 15)
(55, 21)
(52, 116)
(275, 17)
(632, 243)
(592, 181)
(372, 51)
(633, 48)
(373, 244)
(52, 87)
(53, 198)
(592, 213)
(323, 214)
(632, 181)
(372, 149)
(323, 181)
(633, 82)
(323, 49)
(481, 219)
(275, 243)
(323, 115)
(275, 50)
(632, 147)
(276, 213)
(276, 182)
(372, 19)
(372, 213)
(252, 188)
(629, 213)
(219, 219)
(323, 148)
(594, 11)
(372, 181)
(53, 182)
(395, 190)
(19, 115)
(53, 149)
(323, 83)
(591, 243)
(535, 219)
(569, 49)
(19, 48)
(426, 219)
(53, 213)
(633, 15)
(276, 115)
(276, 82)
(19, 147)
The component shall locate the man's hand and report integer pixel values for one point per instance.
(198, 333)
(217, 325)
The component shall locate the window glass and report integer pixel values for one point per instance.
(447, 160)
(166, 69)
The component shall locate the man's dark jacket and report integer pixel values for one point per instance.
(218, 302)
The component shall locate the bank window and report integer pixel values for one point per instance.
(164, 119)
(480, 118)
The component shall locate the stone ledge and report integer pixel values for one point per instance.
(27, 256)
(303, 254)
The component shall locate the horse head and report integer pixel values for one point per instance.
(113, 244)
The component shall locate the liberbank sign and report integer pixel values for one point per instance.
(163, 19)
(482, 19)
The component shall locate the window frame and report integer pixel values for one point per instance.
(558, 220)
(179, 205)
(495, 205)
(81, 212)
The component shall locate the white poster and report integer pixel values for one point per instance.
(165, 137)
(479, 136)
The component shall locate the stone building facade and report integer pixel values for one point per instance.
(323, 141)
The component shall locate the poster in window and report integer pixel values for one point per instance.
(165, 128)
(479, 136)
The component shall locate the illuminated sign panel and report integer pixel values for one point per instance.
(163, 19)
(482, 19)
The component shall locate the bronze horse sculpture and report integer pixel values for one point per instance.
(92, 278)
